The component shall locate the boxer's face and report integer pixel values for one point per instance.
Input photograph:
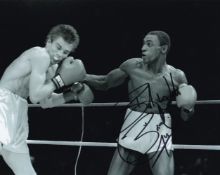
(151, 48)
(59, 49)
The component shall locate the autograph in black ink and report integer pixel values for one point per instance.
(135, 103)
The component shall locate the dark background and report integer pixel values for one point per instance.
(112, 31)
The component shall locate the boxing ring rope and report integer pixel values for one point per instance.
(105, 144)
(201, 102)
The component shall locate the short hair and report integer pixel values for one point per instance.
(67, 32)
(163, 37)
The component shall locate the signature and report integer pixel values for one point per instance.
(142, 128)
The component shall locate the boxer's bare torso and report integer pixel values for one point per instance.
(149, 92)
(17, 75)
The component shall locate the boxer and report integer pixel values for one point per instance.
(152, 85)
(34, 74)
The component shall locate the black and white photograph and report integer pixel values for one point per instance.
(110, 87)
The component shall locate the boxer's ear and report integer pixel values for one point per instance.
(164, 49)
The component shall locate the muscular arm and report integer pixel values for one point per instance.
(96, 81)
(103, 82)
(181, 77)
(39, 88)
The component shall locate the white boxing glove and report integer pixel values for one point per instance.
(187, 97)
(70, 71)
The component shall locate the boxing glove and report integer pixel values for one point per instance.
(70, 71)
(187, 97)
(83, 92)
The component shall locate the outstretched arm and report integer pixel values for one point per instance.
(96, 81)
(103, 82)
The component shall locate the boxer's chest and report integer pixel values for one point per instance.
(157, 88)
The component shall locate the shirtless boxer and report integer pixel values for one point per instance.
(34, 74)
(147, 124)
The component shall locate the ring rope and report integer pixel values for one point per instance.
(105, 144)
(72, 143)
(200, 102)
